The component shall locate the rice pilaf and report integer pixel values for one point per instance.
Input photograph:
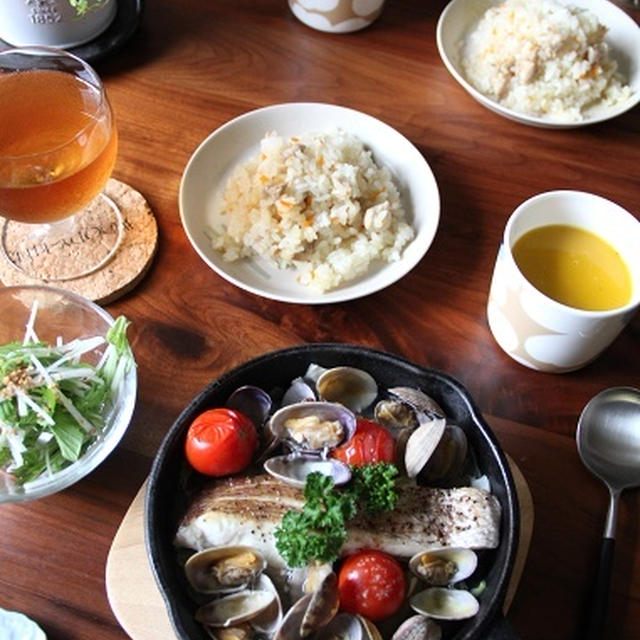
(542, 58)
(315, 202)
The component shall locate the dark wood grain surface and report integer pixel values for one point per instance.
(192, 66)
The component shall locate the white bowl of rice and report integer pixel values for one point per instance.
(309, 203)
(549, 63)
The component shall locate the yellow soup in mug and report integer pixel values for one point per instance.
(574, 266)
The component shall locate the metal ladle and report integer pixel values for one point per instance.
(608, 439)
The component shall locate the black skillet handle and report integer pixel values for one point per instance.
(501, 630)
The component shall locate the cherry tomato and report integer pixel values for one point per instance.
(220, 442)
(370, 443)
(372, 584)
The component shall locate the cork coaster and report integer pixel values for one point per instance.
(128, 265)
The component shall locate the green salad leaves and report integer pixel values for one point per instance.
(317, 533)
(52, 402)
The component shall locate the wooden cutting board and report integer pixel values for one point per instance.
(138, 605)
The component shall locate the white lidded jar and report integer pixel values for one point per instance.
(54, 23)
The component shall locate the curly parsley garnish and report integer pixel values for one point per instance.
(374, 486)
(317, 533)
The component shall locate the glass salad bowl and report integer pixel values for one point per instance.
(68, 386)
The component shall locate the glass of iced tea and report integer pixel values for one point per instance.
(58, 144)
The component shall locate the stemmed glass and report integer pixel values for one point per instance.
(58, 146)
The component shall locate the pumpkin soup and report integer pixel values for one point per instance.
(574, 267)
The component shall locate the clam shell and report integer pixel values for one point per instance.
(369, 629)
(240, 632)
(421, 445)
(298, 391)
(395, 414)
(447, 460)
(418, 627)
(429, 566)
(322, 607)
(268, 620)
(420, 401)
(293, 469)
(313, 372)
(290, 627)
(445, 604)
(253, 402)
(234, 609)
(313, 437)
(200, 568)
(345, 626)
(314, 576)
(354, 388)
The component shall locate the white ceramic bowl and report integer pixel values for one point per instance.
(67, 315)
(235, 142)
(623, 37)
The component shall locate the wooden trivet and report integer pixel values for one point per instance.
(138, 605)
(129, 264)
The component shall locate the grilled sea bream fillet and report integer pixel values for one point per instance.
(247, 511)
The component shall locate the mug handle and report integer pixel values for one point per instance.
(501, 630)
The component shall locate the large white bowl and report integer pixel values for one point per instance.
(235, 142)
(623, 37)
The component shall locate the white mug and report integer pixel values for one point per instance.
(336, 16)
(538, 331)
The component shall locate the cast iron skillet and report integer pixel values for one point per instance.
(171, 482)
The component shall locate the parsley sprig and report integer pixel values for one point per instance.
(317, 533)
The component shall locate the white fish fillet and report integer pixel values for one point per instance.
(248, 510)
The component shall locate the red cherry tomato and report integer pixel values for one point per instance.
(220, 442)
(372, 584)
(370, 443)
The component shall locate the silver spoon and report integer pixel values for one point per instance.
(608, 439)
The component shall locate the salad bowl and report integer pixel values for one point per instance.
(172, 485)
(60, 320)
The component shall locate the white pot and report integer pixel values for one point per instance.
(52, 23)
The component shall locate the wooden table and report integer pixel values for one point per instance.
(193, 65)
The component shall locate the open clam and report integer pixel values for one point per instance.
(293, 469)
(441, 603)
(441, 567)
(354, 388)
(422, 443)
(448, 459)
(236, 608)
(417, 422)
(348, 626)
(270, 618)
(312, 612)
(322, 607)
(395, 414)
(418, 627)
(419, 401)
(224, 569)
(313, 426)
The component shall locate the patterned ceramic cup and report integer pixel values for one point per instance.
(337, 16)
(536, 330)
